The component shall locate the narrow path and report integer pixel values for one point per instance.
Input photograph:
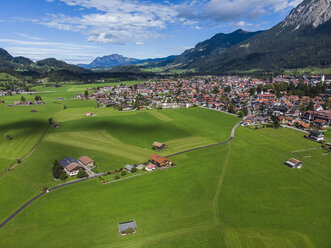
(35, 147)
(100, 174)
(219, 186)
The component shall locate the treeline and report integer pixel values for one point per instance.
(300, 89)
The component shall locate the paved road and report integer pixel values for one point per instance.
(294, 128)
(41, 194)
(100, 174)
(217, 144)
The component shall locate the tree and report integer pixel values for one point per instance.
(86, 94)
(275, 121)
(252, 91)
(231, 109)
(23, 99)
(245, 111)
(64, 107)
(123, 173)
(63, 176)
(50, 121)
(216, 90)
(311, 106)
(134, 169)
(241, 113)
(227, 89)
(56, 170)
(81, 173)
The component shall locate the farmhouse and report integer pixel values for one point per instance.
(71, 166)
(128, 167)
(160, 161)
(127, 228)
(316, 135)
(159, 146)
(294, 163)
(72, 169)
(88, 162)
(150, 167)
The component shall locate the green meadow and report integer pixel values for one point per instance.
(239, 194)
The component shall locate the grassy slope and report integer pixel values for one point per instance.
(111, 139)
(237, 195)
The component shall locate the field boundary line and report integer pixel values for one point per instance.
(220, 185)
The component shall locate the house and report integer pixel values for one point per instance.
(160, 161)
(159, 146)
(89, 114)
(294, 163)
(127, 228)
(150, 167)
(128, 167)
(73, 168)
(316, 135)
(66, 161)
(88, 162)
(140, 166)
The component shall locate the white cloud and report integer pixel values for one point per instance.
(29, 36)
(239, 24)
(232, 10)
(120, 21)
(37, 50)
(116, 21)
(139, 43)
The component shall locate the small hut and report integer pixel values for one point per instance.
(127, 228)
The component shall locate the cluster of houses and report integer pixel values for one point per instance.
(72, 166)
(155, 161)
(224, 93)
(26, 103)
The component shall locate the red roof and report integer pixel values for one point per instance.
(159, 159)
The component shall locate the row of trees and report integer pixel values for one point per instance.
(300, 89)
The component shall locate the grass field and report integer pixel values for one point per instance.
(238, 194)
(235, 195)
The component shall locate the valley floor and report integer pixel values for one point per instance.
(239, 194)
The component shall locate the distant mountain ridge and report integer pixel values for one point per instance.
(112, 60)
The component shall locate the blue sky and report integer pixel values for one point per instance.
(77, 31)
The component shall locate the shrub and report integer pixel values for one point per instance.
(117, 177)
(8, 137)
(134, 169)
(123, 173)
(63, 176)
(129, 231)
(81, 173)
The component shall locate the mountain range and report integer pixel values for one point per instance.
(112, 60)
(302, 39)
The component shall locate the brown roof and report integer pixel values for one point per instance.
(159, 159)
(85, 160)
(157, 144)
(294, 161)
(72, 166)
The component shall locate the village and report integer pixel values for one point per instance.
(261, 102)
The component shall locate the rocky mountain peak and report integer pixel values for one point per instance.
(309, 13)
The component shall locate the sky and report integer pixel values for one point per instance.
(77, 31)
